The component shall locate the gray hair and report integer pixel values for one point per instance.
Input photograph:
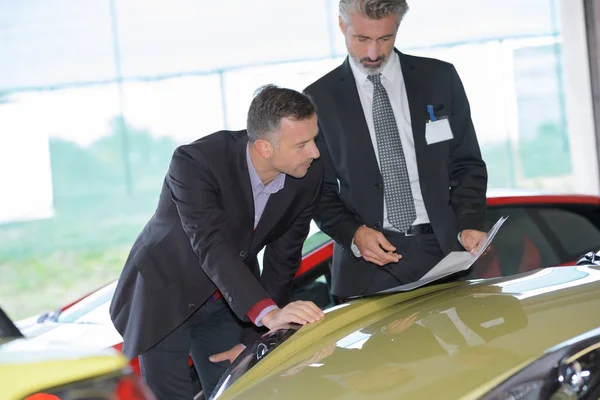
(373, 9)
(270, 105)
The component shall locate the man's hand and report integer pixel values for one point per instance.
(229, 355)
(299, 312)
(472, 239)
(374, 247)
(400, 325)
(315, 358)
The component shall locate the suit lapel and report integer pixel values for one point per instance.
(356, 130)
(355, 138)
(240, 182)
(414, 90)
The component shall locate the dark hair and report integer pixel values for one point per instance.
(270, 105)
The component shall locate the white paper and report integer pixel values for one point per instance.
(454, 262)
(438, 131)
(490, 236)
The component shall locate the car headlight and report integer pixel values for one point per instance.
(251, 355)
(568, 371)
(121, 386)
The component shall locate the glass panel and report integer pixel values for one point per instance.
(240, 85)
(46, 263)
(434, 22)
(187, 35)
(519, 246)
(316, 290)
(54, 42)
(576, 233)
(93, 309)
(543, 140)
(161, 115)
(96, 156)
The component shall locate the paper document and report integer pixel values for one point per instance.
(454, 262)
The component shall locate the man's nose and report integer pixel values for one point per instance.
(315, 151)
(373, 51)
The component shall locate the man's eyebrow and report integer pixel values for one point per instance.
(306, 141)
(389, 35)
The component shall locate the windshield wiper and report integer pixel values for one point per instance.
(49, 316)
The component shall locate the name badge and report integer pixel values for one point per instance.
(437, 129)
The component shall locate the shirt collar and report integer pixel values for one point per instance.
(257, 185)
(391, 71)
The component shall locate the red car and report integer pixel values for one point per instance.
(541, 231)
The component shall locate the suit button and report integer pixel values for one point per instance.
(191, 306)
(242, 254)
(378, 225)
(230, 299)
(378, 185)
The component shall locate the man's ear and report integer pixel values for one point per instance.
(264, 148)
(342, 25)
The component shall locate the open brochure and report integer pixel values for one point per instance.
(454, 262)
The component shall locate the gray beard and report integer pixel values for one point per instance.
(369, 70)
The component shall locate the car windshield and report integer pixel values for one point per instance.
(315, 239)
(93, 309)
(7, 328)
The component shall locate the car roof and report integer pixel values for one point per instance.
(500, 197)
(456, 340)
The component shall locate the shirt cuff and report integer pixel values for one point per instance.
(355, 249)
(260, 309)
(459, 241)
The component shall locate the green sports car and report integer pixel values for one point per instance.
(530, 336)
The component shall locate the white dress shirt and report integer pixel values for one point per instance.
(393, 82)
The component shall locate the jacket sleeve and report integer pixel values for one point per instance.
(283, 256)
(281, 262)
(331, 215)
(196, 193)
(468, 173)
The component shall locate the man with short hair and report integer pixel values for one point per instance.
(404, 178)
(193, 273)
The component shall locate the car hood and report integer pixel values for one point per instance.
(21, 351)
(443, 341)
(27, 366)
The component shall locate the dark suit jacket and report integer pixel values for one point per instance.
(201, 238)
(452, 175)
